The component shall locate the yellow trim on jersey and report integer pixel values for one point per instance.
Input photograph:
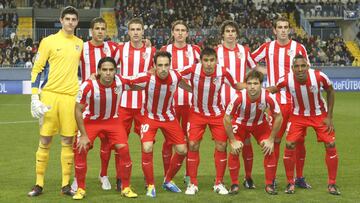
(62, 52)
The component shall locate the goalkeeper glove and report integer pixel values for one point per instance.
(38, 109)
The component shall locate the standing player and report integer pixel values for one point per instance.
(206, 80)
(183, 54)
(62, 51)
(160, 86)
(245, 117)
(93, 51)
(279, 55)
(237, 58)
(135, 58)
(309, 110)
(99, 100)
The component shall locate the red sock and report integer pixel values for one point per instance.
(220, 165)
(123, 165)
(234, 167)
(331, 159)
(193, 160)
(270, 168)
(147, 167)
(81, 168)
(175, 165)
(166, 156)
(105, 153)
(276, 154)
(300, 158)
(289, 163)
(248, 155)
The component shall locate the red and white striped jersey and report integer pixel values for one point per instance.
(181, 57)
(250, 113)
(236, 60)
(206, 89)
(307, 98)
(91, 56)
(159, 95)
(102, 102)
(132, 62)
(279, 60)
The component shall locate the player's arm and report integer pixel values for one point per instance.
(330, 98)
(184, 85)
(41, 58)
(280, 84)
(258, 55)
(268, 144)
(235, 144)
(140, 81)
(261, 69)
(83, 140)
(240, 86)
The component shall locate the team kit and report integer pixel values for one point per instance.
(181, 89)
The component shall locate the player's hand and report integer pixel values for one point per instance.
(147, 42)
(236, 146)
(92, 76)
(83, 143)
(267, 146)
(329, 124)
(38, 109)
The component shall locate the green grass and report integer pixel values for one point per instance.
(19, 142)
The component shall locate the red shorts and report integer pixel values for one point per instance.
(298, 125)
(260, 132)
(286, 111)
(111, 128)
(170, 129)
(197, 125)
(182, 114)
(127, 115)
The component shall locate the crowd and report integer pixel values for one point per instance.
(203, 17)
(82, 4)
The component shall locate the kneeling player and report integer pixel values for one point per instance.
(101, 98)
(245, 116)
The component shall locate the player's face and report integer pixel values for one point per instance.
(209, 63)
(230, 34)
(69, 23)
(180, 33)
(136, 32)
(107, 73)
(300, 68)
(282, 30)
(253, 87)
(98, 32)
(162, 67)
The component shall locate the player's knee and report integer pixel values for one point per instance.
(220, 146)
(290, 145)
(147, 147)
(194, 146)
(45, 140)
(67, 140)
(330, 145)
(181, 149)
(119, 146)
(247, 141)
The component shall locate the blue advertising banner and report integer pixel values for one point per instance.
(345, 84)
(11, 87)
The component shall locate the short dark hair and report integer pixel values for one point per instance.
(280, 19)
(299, 56)
(162, 54)
(208, 52)
(136, 21)
(69, 10)
(254, 74)
(232, 24)
(106, 59)
(97, 20)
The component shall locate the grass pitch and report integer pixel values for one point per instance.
(19, 141)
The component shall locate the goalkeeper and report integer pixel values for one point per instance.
(55, 105)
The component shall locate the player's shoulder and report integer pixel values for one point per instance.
(196, 47)
(163, 48)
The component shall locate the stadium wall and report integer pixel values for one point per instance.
(17, 80)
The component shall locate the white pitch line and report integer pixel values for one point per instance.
(16, 122)
(13, 104)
